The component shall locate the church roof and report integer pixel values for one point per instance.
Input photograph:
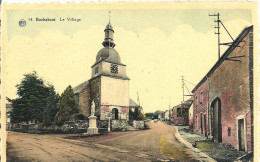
(109, 26)
(132, 103)
(108, 54)
(78, 88)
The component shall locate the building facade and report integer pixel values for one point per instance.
(191, 116)
(134, 110)
(180, 113)
(225, 96)
(108, 87)
(200, 108)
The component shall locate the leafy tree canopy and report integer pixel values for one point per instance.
(33, 96)
(151, 115)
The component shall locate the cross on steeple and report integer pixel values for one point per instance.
(109, 34)
(109, 15)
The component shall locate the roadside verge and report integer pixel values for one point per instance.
(201, 156)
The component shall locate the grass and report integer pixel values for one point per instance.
(204, 146)
(173, 151)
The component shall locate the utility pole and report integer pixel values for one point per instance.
(218, 21)
(182, 79)
(218, 33)
(170, 109)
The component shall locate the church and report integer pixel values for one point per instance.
(108, 86)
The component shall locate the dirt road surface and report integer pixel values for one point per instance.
(155, 144)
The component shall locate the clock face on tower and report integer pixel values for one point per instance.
(114, 68)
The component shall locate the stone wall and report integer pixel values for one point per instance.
(95, 94)
(84, 100)
(106, 111)
(118, 124)
(138, 124)
(79, 126)
(103, 124)
(87, 95)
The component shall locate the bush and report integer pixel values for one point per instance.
(140, 116)
(78, 116)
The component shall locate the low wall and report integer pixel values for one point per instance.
(79, 126)
(138, 124)
(102, 124)
(118, 124)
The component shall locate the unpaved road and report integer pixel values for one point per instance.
(155, 144)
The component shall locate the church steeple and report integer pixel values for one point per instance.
(108, 53)
(109, 35)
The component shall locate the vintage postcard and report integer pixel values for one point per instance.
(129, 81)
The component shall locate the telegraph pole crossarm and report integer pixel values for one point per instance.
(230, 59)
(218, 33)
(228, 43)
(237, 56)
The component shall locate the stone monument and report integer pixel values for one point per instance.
(92, 129)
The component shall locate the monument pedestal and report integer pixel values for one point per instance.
(92, 129)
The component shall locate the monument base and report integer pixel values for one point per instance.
(92, 129)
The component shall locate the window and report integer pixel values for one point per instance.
(201, 97)
(196, 122)
(229, 131)
(96, 70)
(114, 68)
(196, 101)
(178, 112)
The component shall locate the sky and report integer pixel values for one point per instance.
(157, 45)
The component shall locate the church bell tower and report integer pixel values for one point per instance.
(109, 36)
(114, 84)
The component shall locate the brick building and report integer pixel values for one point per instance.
(200, 107)
(108, 86)
(223, 99)
(180, 113)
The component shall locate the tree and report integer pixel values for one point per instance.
(141, 116)
(32, 99)
(136, 113)
(66, 106)
(149, 115)
(51, 107)
(155, 115)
